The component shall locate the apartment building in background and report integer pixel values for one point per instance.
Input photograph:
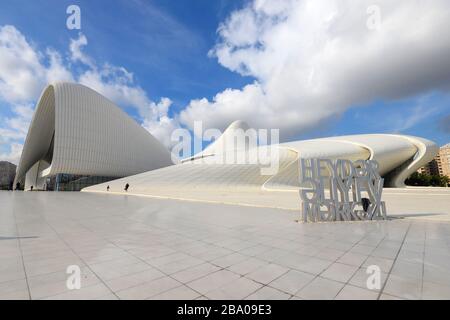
(7, 174)
(444, 160)
(440, 165)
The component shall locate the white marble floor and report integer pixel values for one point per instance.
(130, 247)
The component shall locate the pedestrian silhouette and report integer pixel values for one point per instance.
(18, 186)
(31, 189)
(126, 187)
(107, 188)
(365, 203)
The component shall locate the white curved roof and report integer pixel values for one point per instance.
(78, 131)
(398, 156)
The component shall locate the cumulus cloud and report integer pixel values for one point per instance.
(77, 55)
(314, 59)
(13, 131)
(13, 155)
(22, 73)
(118, 84)
(16, 127)
(159, 123)
(25, 71)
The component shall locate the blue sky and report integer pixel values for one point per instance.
(164, 43)
(174, 50)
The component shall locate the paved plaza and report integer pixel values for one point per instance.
(131, 247)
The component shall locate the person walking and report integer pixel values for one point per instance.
(126, 187)
(107, 188)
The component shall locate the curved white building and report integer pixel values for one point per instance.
(77, 132)
(79, 138)
(210, 171)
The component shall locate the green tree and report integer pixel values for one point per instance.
(425, 180)
(445, 181)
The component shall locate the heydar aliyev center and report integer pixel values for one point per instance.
(78, 138)
(77, 133)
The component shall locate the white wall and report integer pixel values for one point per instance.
(92, 136)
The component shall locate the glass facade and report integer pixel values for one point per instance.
(70, 182)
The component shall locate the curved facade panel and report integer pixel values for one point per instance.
(78, 131)
(398, 156)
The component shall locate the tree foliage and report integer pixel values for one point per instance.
(423, 179)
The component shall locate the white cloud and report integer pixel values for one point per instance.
(14, 154)
(310, 59)
(21, 73)
(118, 84)
(314, 59)
(160, 124)
(56, 70)
(77, 55)
(13, 132)
(25, 71)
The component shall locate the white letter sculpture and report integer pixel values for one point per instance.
(341, 190)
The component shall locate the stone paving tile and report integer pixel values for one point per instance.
(85, 293)
(330, 254)
(308, 251)
(340, 245)
(267, 293)
(339, 272)
(436, 274)
(109, 296)
(247, 266)
(293, 260)
(235, 290)
(213, 253)
(410, 256)
(255, 250)
(362, 249)
(353, 258)
(131, 280)
(153, 252)
(148, 289)
(434, 291)
(229, 260)
(148, 249)
(12, 273)
(178, 293)
(272, 255)
(403, 287)
(213, 281)
(407, 269)
(384, 264)
(313, 265)
(164, 260)
(177, 266)
(361, 276)
(267, 273)
(383, 252)
(108, 272)
(14, 290)
(195, 272)
(320, 288)
(292, 281)
(51, 284)
(385, 296)
(350, 292)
